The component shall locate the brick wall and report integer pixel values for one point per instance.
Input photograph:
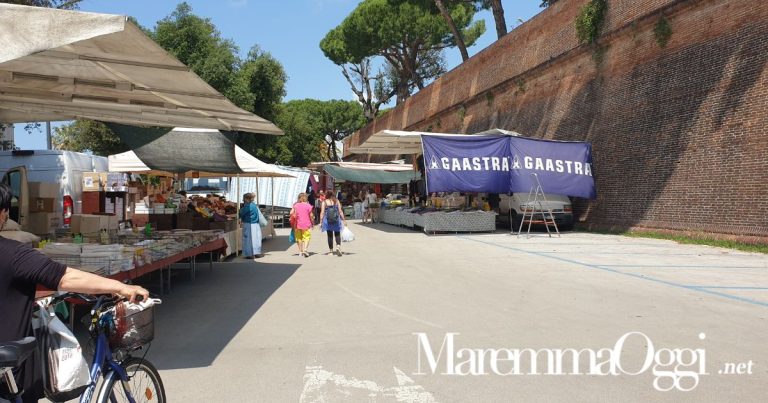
(679, 134)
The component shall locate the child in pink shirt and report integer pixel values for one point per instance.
(303, 216)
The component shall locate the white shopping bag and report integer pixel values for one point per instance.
(66, 372)
(347, 235)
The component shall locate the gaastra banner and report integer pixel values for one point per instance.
(563, 167)
(466, 163)
(502, 164)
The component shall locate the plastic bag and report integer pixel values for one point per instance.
(347, 235)
(292, 237)
(262, 220)
(65, 374)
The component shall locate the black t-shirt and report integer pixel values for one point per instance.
(21, 269)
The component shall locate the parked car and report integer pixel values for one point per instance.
(511, 208)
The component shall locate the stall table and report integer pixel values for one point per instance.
(439, 221)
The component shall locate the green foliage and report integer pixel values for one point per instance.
(409, 35)
(520, 86)
(662, 31)
(259, 84)
(311, 129)
(88, 135)
(197, 43)
(462, 113)
(489, 98)
(598, 55)
(589, 22)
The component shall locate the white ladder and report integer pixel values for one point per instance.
(537, 194)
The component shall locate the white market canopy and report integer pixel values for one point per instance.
(249, 165)
(363, 172)
(62, 65)
(392, 142)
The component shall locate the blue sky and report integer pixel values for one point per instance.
(289, 29)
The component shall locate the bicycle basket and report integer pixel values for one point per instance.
(134, 326)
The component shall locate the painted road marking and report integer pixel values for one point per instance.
(385, 308)
(321, 385)
(638, 276)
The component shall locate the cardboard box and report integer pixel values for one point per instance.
(42, 223)
(91, 224)
(44, 190)
(113, 222)
(42, 205)
(92, 182)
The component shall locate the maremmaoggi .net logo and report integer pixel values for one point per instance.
(672, 368)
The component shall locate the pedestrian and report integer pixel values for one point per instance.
(332, 217)
(249, 215)
(366, 210)
(318, 204)
(304, 222)
(21, 270)
(373, 206)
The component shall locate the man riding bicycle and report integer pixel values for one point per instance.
(21, 269)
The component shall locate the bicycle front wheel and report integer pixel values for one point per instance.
(144, 384)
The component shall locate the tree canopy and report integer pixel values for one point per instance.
(408, 34)
(197, 43)
(82, 135)
(312, 128)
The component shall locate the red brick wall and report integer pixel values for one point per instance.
(679, 134)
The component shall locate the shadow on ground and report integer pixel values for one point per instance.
(198, 318)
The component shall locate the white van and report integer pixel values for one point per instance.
(64, 169)
(511, 209)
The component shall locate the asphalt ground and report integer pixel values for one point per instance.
(348, 329)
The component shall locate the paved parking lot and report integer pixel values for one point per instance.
(327, 328)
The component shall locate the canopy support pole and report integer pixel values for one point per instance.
(237, 240)
(272, 213)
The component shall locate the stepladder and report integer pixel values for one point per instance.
(536, 210)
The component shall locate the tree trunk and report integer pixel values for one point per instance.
(452, 26)
(498, 17)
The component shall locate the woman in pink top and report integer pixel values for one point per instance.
(304, 219)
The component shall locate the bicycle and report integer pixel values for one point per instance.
(124, 378)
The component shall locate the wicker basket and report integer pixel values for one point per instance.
(134, 326)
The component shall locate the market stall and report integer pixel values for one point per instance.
(354, 177)
(197, 153)
(471, 168)
(127, 255)
(102, 67)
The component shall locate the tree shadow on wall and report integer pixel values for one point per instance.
(641, 124)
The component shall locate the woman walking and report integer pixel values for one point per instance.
(332, 217)
(373, 206)
(304, 220)
(249, 215)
